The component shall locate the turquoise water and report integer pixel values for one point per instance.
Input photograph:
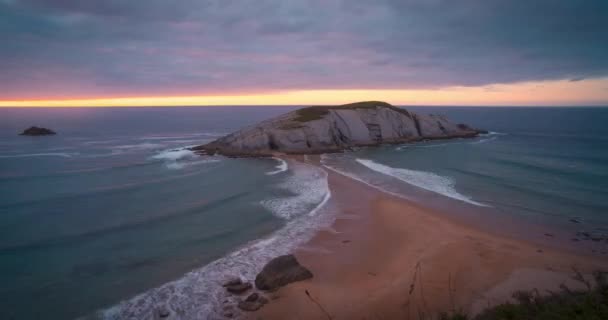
(94, 219)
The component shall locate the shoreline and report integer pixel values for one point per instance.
(390, 258)
(485, 217)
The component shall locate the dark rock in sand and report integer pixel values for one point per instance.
(37, 131)
(252, 297)
(163, 312)
(253, 302)
(281, 271)
(239, 288)
(232, 282)
(588, 236)
(250, 306)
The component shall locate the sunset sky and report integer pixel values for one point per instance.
(261, 52)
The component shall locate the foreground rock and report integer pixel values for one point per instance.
(37, 131)
(281, 271)
(239, 288)
(335, 128)
(253, 302)
(236, 286)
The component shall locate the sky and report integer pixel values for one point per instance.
(197, 52)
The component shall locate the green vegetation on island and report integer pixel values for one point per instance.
(317, 112)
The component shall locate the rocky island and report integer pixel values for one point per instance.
(321, 129)
(37, 131)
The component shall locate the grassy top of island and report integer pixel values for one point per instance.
(317, 112)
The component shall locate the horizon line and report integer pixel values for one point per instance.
(303, 105)
(556, 93)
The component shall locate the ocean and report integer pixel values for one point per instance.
(114, 216)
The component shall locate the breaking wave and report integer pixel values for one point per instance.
(281, 167)
(425, 180)
(309, 186)
(199, 294)
(174, 155)
(50, 154)
(180, 158)
(484, 140)
(140, 146)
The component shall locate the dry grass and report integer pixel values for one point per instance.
(588, 304)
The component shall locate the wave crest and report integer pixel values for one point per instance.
(425, 180)
(199, 294)
(281, 167)
(309, 186)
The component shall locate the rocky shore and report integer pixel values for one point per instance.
(323, 129)
(277, 273)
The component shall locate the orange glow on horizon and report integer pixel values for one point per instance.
(550, 93)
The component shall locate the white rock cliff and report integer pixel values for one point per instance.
(335, 128)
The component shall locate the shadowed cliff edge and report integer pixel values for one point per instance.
(321, 129)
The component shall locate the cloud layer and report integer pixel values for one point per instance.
(70, 48)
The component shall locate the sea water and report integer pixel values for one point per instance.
(114, 216)
(543, 166)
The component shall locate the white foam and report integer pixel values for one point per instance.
(425, 180)
(96, 142)
(199, 294)
(140, 146)
(176, 165)
(183, 136)
(180, 158)
(428, 145)
(357, 178)
(174, 154)
(494, 133)
(435, 145)
(281, 167)
(49, 154)
(309, 187)
(484, 140)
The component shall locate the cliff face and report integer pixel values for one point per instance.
(331, 129)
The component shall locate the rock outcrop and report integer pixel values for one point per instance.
(323, 129)
(281, 271)
(237, 286)
(37, 131)
(253, 302)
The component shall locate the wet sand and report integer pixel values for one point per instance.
(389, 258)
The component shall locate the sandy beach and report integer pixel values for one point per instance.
(389, 258)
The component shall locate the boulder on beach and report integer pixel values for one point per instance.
(37, 131)
(253, 302)
(239, 288)
(322, 129)
(236, 285)
(281, 271)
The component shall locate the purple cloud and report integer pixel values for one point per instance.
(109, 48)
